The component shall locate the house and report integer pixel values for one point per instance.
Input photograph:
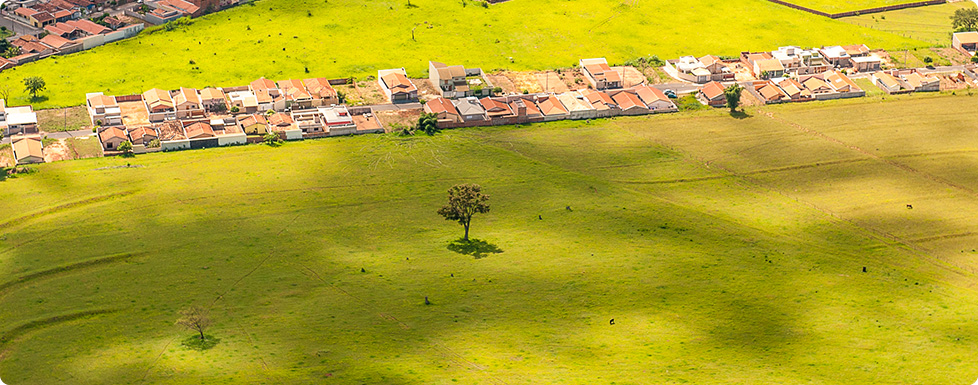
(496, 109)
(296, 94)
(38, 19)
(840, 82)
(143, 135)
(17, 120)
(551, 107)
(921, 83)
(816, 86)
(856, 50)
(66, 31)
(88, 27)
(397, 86)
(111, 138)
(470, 109)
(199, 130)
(187, 8)
(453, 82)
(321, 91)
(868, 63)
(630, 104)
(801, 61)
(602, 103)
(577, 106)
(159, 105)
(60, 44)
(113, 22)
(188, 104)
(711, 94)
(836, 56)
(768, 68)
(966, 42)
(525, 110)
(656, 99)
(269, 100)
(243, 102)
(702, 70)
(769, 92)
(338, 120)
(444, 110)
(719, 70)
(103, 110)
(264, 85)
(212, 99)
(599, 74)
(794, 90)
(254, 124)
(283, 124)
(31, 44)
(27, 149)
(887, 82)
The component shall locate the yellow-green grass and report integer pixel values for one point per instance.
(834, 6)
(727, 251)
(931, 24)
(279, 39)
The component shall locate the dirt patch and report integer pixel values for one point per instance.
(741, 72)
(631, 77)
(63, 119)
(134, 114)
(500, 80)
(7, 156)
(551, 82)
(957, 81)
(952, 55)
(57, 151)
(426, 91)
(397, 119)
(369, 92)
(524, 82)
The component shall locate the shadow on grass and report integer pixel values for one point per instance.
(739, 114)
(195, 343)
(474, 247)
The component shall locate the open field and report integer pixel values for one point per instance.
(931, 24)
(63, 119)
(727, 251)
(283, 38)
(835, 6)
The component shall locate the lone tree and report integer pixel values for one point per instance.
(732, 94)
(464, 201)
(965, 19)
(195, 318)
(33, 85)
(126, 148)
(428, 123)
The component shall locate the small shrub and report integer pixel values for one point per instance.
(928, 60)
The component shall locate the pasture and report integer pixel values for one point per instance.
(727, 251)
(832, 6)
(281, 39)
(931, 24)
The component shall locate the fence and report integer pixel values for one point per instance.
(861, 11)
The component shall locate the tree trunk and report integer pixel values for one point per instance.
(201, 334)
(466, 231)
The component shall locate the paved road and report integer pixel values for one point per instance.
(19, 27)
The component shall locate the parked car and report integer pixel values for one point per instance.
(671, 94)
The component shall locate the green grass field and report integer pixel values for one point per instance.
(931, 24)
(281, 39)
(835, 6)
(727, 251)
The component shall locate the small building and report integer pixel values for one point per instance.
(496, 109)
(17, 120)
(254, 124)
(577, 106)
(338, 120)
(188, 104)
(816, 86)
(143, 135)
(27, 149)
(603, 104)
(921, 83)
(770, 92)
(887, 82)
(242, 102)
(836, 56)
(841, 83)
(457, 81)
(630, 103)
(283, 124)
(159, 105)
(599, 74)
(966, 42)
(321, 91)
(712, 94)
(212, 99)
(551, 107)
(296, 94)
(768, 69)
(444, 110)
(103, 110)
(867, 63)
(657, 100)
(397, 86)
(470, 109)
(794, 90)
(111, 138)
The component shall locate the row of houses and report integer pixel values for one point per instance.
(820, 86)
(65, 37)
(517, 109)
(905, 81)
(189, 118)
(785, 61)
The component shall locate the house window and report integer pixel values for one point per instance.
(110, 145)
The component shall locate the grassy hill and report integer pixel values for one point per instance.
(727, 251)
(283, 38)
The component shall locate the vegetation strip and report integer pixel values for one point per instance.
(21, 330)
(29, 278)
(20, 220)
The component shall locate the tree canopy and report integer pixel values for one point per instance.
(33, 85)
(732, 94)
(464, 201)
(965, 19)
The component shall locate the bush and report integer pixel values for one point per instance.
(155, 143)
(928, 60)
(974, 59)
(235, 109)
(272, 139)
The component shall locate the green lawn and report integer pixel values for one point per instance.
(727, 251)
(931, 24)
(283, 38)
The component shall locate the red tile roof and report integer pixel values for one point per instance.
(200, 130)
(439, 105)
(628, 100)
(712, 90)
